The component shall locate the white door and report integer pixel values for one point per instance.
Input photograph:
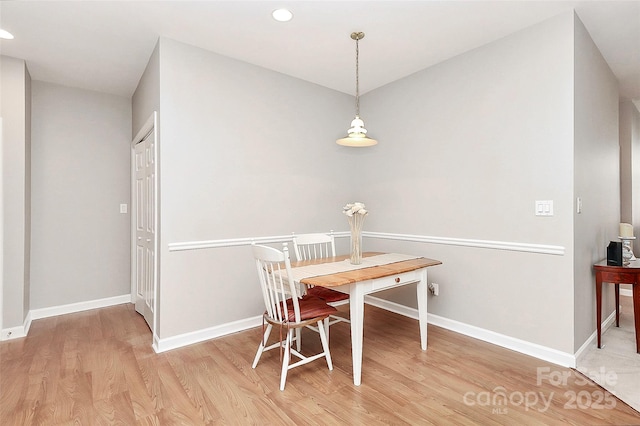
(145, 227)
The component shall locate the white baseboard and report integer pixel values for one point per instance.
(79, 307)
(592, 340)
(155, 343)
(532, 349)
(175, 342)
(17, 332)
(34, 314)
(524, 347)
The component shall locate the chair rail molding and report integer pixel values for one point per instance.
(464, 242)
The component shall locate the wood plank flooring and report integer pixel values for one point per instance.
(98, 368)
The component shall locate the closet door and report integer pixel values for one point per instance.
(145, 227)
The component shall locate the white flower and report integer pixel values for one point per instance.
(353, 208)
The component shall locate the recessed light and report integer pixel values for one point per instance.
(6, 35)
(282, 15)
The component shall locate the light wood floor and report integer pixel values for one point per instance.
(97, 367)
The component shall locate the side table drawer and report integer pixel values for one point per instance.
(396, 280)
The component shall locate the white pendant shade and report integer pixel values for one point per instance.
(356, 141)
(357, 135)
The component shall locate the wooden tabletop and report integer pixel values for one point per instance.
(633, 266)
(372, 272)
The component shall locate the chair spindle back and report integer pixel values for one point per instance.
(274, 270)
(314, 246)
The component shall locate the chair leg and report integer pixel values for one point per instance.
(325, 344)
(298, 339)
(326, 327)
(285, 359)
(263, 342)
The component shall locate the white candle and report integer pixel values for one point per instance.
(626, 230)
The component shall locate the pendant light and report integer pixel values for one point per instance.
(357, 134)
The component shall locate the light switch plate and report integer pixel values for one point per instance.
(123, 208)
(544, 207)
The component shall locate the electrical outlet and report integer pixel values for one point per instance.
(434, 289)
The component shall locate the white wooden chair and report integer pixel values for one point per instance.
(316, 246)
(286, 310)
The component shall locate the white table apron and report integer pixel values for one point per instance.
(357, 291)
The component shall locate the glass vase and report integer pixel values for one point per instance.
(355, 222)
(356, 247)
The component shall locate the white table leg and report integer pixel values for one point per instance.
(422, 289)
(356, 302)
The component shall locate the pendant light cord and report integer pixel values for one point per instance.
(357, 80)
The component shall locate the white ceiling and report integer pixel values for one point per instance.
(105, 45)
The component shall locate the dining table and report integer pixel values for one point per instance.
(377, 271)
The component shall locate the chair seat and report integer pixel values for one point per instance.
(327, 294)
(310, 307)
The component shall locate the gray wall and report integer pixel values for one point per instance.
(597, 176)
(15, 85)
(81, 149)
(517, 145)
(146, 98)
(244, 152)
(466, 147)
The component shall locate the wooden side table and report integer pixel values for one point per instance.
(628, 274)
